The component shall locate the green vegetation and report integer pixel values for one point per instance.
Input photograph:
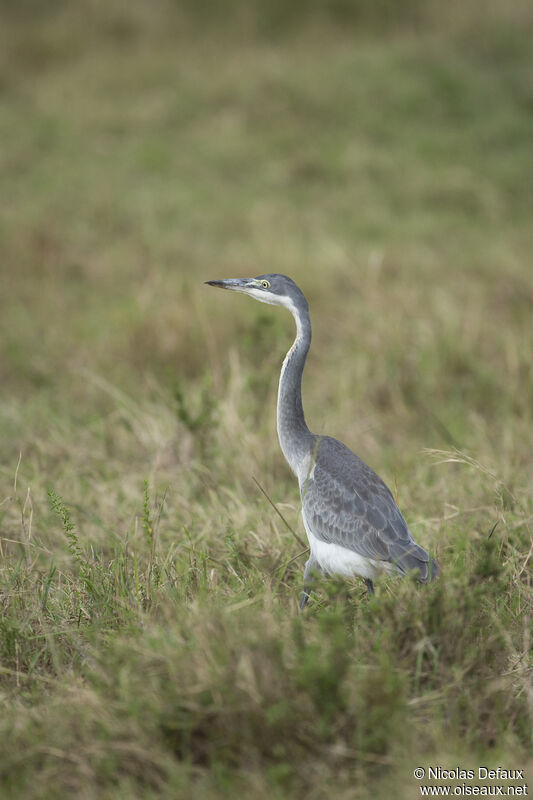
(380, 154)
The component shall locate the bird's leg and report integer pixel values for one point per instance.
(311, 567)
(304, 597)
(369, 586)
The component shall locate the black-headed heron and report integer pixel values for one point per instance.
(352, 521)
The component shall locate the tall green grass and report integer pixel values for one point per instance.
(150, 643)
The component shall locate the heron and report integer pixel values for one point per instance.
(352, 521)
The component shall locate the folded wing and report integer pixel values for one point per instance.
(346, 503)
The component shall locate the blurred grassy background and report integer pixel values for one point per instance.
(380, 154)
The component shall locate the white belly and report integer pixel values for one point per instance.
(334, 559)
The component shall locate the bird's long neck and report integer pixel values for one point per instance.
(295, 437)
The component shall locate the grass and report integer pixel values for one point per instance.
(150, 644)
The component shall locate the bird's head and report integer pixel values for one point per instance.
(277, 290)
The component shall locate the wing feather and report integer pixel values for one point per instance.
(346, 503)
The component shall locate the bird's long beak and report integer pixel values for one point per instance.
(236, 284)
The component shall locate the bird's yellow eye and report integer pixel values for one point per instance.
(265, 284)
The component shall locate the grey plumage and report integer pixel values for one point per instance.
(352, 521)
(347, 504)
